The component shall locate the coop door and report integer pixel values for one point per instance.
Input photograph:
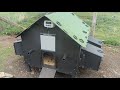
(47, 43)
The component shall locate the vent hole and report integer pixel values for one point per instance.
(83, 22)
(85, 32)
(73, 14)
(59, 23)
(81, 40)
(75, 37)
(100, 51)
(86, 25)
(65, 31)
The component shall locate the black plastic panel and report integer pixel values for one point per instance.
(18, 47)
(91, 57)
(95, 42)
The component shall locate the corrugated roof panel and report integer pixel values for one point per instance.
(72, 25)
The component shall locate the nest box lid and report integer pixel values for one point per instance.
(72, 25)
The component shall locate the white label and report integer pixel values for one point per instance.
(47, 42)
(48, 24)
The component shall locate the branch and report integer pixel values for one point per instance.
(11, 23)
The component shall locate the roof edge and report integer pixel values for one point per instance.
(29, 26)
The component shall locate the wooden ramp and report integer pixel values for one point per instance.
(47, 73)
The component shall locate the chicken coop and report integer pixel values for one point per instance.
(59, 42)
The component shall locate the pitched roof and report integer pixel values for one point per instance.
(72, 25)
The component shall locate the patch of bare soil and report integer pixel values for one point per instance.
(109, 68)
(5, 41)
(18, 68)
(15, 65)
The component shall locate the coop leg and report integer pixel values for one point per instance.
(29, 69)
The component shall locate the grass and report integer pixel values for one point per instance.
(107, 28)
(5, 53)
(24, 19)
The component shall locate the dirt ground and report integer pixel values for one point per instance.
(109, 68)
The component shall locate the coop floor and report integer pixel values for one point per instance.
(10, 63)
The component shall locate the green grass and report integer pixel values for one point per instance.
(24, 19)
(5, 53)
(107, 28)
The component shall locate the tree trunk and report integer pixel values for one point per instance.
(94, 23)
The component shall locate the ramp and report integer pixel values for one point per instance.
(47, 73)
